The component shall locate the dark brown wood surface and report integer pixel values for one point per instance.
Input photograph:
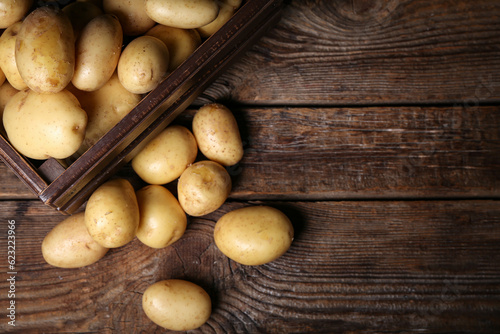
(375, 126)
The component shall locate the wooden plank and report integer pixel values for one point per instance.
(353, 153)
(327, 52)
(432, 266)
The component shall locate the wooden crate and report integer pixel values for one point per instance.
(67, 188)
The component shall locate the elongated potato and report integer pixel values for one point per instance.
(187, 14)
(225, 13)
(112, 214)
(8, 56)
(69, 244)
(41, 125)
(97, 52)
(12, 11)
(45, 50)
(80, 13)
(217, 134)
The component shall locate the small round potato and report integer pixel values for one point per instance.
(105, 107)
(217, 134)
(8, 56)
(132, 15)
(166, 156)
(69, 244)
(97, 52)
(253, 235)
(203, 187)
(143, 64)
(181, 43)
(187, 14)
(177, 305)
(41, 126)
(112, 213)
(45, 50)
(163, 221)
(12, 11)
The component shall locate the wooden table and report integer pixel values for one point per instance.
(375, 126)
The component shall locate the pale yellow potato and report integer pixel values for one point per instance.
(81, 13)
(225, 13)
(105, 107)
(187, 14)
(166, 156)
(12, 11)
(69, 244)
(97, 52)
(143, 64)
(162, 221)
(177, 305)
(8, 56)
(217, 134)
(6, 93)
(45, 50)
(132, 15)
(181, 43)
(253, 235)
(112, 213)
(203, 187)
(41, 126)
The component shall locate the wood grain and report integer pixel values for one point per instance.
(353, 266)
(372, 52)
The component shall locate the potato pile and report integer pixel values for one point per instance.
(108, 54)
(68, 80)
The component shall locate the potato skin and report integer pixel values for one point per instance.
(8, 56)
(187, 14)
(45, 50)
(176, 304)
(203, 187)
(166, 156)
(69, 245)
(97, 52)
(181, 43)
(163, 221)
(41, 126)
(143, 64)
(12, 11)
(253, 235)
(217, 134)
(132, 15)
(112, 213)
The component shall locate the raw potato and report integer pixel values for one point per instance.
(112, 214)
(203, 187)
(97, 52)
(12, 11)
(69, 245)
(177, 305)
(253, 235)
(217, 134)
(181, 43)
(2, 77)
(105, 107)
(45, 50)
(132, 15)
(143, 64)
(225, 13)
(8, 56)
(41, 126)
(166, 156)
(163, 221)
(187, 14)
(81, 13)
(6, 93)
